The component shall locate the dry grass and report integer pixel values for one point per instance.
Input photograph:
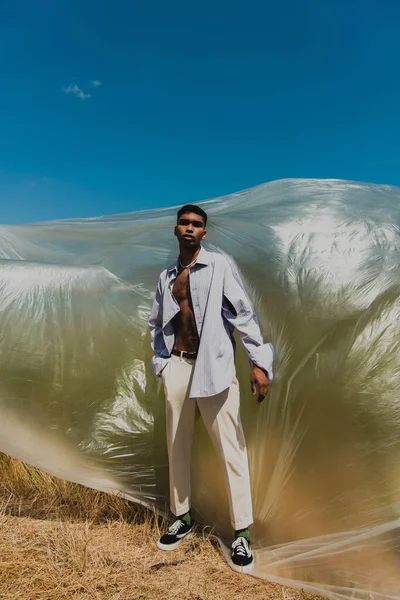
(60, 540)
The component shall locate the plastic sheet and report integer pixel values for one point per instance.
(321, 262)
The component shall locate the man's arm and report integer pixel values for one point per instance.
(160, 358)
(238, 310)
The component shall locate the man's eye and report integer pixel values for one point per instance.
(193, 223)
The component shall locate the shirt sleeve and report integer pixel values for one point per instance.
(160, 358)
(238, 310)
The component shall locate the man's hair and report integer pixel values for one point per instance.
(192, 208)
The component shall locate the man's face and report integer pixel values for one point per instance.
(190, 230)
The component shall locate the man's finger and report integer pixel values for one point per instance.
(253, 387)
(263, 391)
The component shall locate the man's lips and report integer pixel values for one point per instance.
(188, 237)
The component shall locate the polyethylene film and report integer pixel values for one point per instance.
(321, 263)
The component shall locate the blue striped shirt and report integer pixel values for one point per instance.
(220, 304)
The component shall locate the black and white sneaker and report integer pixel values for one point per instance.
(241, 554)
(175, 534)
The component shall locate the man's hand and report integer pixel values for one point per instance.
(259, 378)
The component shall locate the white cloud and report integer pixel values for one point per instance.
(96, 83)
(74, 89)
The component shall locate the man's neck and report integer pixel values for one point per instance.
(188, 255)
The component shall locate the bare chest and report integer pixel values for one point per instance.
(181, 287)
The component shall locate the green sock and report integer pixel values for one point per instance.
(243, 533)
(186, 518)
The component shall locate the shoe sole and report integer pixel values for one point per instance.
(168, 547)
(242, 569)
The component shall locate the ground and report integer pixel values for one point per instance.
(62, 541)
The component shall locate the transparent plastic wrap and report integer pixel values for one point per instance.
(321, 260)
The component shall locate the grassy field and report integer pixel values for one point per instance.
(60, 540)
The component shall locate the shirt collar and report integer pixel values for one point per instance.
(202, 259)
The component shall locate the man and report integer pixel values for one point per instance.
(198, 303)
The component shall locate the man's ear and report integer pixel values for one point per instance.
(175, 231)
(204, 235)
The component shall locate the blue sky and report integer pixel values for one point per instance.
(196, 100)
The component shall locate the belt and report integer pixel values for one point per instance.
(182, 354)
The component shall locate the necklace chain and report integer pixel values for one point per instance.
(187, 266)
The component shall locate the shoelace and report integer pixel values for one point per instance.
(241, 546)
(175, 527)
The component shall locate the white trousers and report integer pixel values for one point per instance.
(221, 416)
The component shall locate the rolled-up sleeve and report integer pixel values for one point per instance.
(238, 310)
(161, 356)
